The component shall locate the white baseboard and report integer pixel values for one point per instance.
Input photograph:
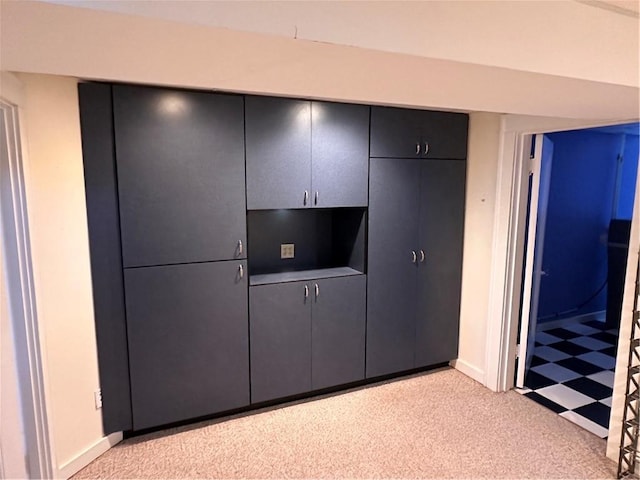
(89, 455)
(469, 370)
(587, 317)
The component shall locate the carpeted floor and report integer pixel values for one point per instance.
(435, 425)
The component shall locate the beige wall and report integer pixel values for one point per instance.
(60, 254)
(483, 32)
(482, 162)
(53, 39)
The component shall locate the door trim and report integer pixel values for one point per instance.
(19, 271)
(508, 239)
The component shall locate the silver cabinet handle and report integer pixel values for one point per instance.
(421, 256)
(426, 148)
(417, 149)
(306, 197)
(240, 247)
(241, 271)
(306, 291)
(317, 196)
(317, 291)
(414, 256)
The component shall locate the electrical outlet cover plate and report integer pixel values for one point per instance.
(287, 250)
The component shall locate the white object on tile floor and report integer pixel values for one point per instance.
(555, 372)
(599, 359)
(582, 329)
(550, 354)
(590, 343)
(585, 423)
(546, 338)
(565, 396)
(523, 391)
(605, 378)
(606, 401)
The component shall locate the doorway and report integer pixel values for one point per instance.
(582, 186)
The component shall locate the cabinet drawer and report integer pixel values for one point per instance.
(404, 133)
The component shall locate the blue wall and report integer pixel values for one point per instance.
(581, 199)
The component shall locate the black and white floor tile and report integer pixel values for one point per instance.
(571, 373)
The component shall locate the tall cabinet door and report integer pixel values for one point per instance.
(338, 330)
(394, 196)
(278, 136)
(441, 234)
(180, 161)
(188, 347)
(280, 334)
(340, 154)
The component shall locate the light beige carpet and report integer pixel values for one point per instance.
(435, 425)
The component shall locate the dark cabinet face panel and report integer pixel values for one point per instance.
(338, 330)
(440, 275)
(339, 154)
(101, 190)
(188, 345)
(402, 133)
(278, 136)
(180, 160)
(247, 249)
(392, 274)
(280, 332)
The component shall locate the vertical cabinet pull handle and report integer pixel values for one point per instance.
(421, 256)
(241, 271)
(417, 148)
(317, 196)
(426, 148)
(306, 197)
(306, 291)
(240, 247)
(414, 256)
(317, 291)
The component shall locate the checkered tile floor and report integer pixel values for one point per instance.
(571, 373)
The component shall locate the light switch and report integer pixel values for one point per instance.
(287, 250)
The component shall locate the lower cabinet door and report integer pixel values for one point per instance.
(280, 333)
(188, 344)
(338, 330)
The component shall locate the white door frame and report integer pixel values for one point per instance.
(21, 292)
(509, 238)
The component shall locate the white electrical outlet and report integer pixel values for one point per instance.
(287, 250)
(97, 397)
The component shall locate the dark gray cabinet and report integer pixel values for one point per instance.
(306, 335)
(440, 273)
(181, 184)
(415, 250)
(278, 136)
(303, 154)
(188, 347)
(339, 154)
(404, 133)
(338, 317)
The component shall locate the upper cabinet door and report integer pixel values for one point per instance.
(339, 154)
(278, 136)
(403, 133)
(180, 161)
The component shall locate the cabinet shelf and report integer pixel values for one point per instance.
(302, 275)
